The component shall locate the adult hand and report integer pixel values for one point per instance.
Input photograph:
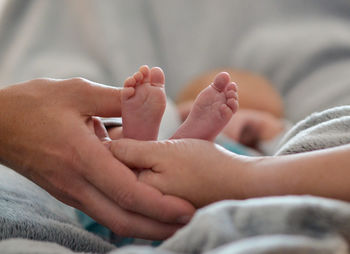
(47, 134)
(196, 170)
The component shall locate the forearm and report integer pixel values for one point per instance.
(323, 173)
(6, 131)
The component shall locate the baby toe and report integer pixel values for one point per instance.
(225, 111)
(232, 86)
(130, 82)
(157, 76)
(221, 80)
(138, 76)
(232, 104)
(144, 69)
(231, 94)
(127, 92)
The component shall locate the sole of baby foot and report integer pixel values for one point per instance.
(211, 111)
(143, 107)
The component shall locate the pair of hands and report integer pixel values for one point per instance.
(196, 170)
(47, 134)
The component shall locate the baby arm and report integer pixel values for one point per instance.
(321, 173)
(202, 172)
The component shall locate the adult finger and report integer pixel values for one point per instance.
(120, 221)
(145, 155)
(137, 154)
(76, 191)
(120, 184)
(93, 99)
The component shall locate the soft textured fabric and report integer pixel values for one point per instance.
(27, 211)
(293, 225)
(320, 130)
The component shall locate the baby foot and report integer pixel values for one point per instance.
(143, 103)
(211, 111)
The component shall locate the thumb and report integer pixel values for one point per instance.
(95, 99)
(136, 154)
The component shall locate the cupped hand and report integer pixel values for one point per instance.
(196, 170)
(47, 135)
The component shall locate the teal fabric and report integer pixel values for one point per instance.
(237, 148)
(94, 227)
(91, 225)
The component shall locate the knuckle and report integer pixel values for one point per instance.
(85, 89)
(67, 180)
(79, 81)
(118, 149)
(70, 157)
(81, 85)
(66, 191)
(70, 200)
(40, 80)
(164, 217)
(121, 228)
(74, 159)
(126, 199)
(115, 146)
(44, 80)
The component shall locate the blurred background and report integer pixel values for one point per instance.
(301, 47)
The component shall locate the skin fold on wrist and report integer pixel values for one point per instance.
(240, 172)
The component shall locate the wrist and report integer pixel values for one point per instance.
(272, 176)
(254, 174)
(3, 131)
(243, 172)
(3, 107)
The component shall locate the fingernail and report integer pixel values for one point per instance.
(184, 219)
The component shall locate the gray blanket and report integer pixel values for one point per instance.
(318, 131)
(27, 211)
